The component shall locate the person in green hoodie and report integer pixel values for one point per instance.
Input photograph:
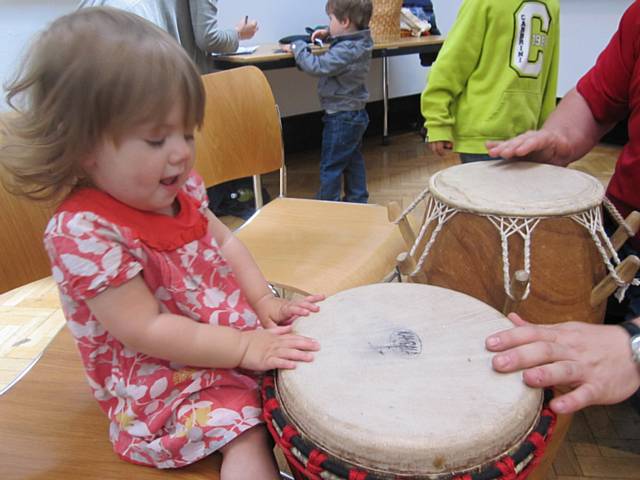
(495, 77)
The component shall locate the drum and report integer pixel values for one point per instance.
(485, 221)
(403, 388)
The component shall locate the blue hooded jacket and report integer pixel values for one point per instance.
(342, 69)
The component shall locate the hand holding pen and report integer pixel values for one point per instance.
(246, 29)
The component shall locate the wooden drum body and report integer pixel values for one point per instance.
(487, 220)
(403, 388)
(565, 267)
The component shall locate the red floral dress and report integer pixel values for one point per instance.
(161, 413)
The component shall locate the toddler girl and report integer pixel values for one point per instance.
(163, 301)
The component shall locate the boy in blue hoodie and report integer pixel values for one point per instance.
(342, 89)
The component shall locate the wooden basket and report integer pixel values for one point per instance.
(385, 20)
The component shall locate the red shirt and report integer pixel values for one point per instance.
(612, 91)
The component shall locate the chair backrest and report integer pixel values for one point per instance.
(22, 255)
(241, 135)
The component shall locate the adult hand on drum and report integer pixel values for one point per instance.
(569, 133)
(273, 311)
(543, 146)
(275, 347)
(594, 360)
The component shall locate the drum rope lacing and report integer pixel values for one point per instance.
(613, 211)
(507, 226)
(316, 464)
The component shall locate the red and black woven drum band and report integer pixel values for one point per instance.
(312, 461)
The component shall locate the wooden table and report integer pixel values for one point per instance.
(51, 427)
(270, 56)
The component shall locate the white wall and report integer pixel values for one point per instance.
(586, 26)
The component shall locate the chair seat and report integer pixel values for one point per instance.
(50, 425)
(310, 246)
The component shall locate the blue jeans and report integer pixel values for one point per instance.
(341, 142)
(475, 157)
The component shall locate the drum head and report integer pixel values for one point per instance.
(403, 383)
(516, 188)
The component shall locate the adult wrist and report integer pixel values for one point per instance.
(633, 329)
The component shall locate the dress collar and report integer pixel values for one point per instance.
(158, 231)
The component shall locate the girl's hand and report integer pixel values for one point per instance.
(274, 311)
(321, 33)
(276, 348)
(441, 148)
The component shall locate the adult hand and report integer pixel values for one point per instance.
(275, 348)
(246, 30)
(593, 360)
(441, 148)
(321, 34)
(542, 146)
(274, 311)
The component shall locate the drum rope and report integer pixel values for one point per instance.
(507, 226)
(524, 227)
(592, 221)
(412, 206)
(613, 211)
(439, 212)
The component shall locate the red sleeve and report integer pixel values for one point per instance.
(87, 254)
(606, 86)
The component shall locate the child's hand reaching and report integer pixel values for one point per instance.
(441, 148)
(273, 311)
(276, 347)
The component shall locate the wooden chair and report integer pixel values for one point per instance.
(22, 225)
(50, 425)
(306, 246)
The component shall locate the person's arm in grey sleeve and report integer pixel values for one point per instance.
(333, 62)
(204, 19)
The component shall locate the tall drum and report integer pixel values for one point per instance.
(485, 221)
(403, 387)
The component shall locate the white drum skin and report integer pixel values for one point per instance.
(515, 188)
(403, 383)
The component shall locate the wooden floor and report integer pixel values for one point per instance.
(603, 443)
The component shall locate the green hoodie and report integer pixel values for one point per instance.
(496, 75)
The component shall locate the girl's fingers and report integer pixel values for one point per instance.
(315, 298)
(301, 343)
(295, 355)
(276, 362)
(281, 329)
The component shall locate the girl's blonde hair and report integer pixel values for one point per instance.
(93, 74)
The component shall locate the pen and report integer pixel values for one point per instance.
(246, 19)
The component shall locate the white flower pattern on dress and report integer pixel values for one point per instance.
(161, 413)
